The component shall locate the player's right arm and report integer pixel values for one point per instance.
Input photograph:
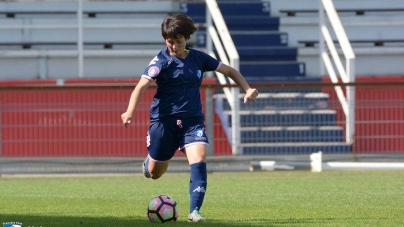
(134, 100)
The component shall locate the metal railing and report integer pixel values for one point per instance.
(218, 35)
(347, 74)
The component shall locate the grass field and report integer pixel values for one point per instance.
(346, 198)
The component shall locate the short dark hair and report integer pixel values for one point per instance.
(175, 25)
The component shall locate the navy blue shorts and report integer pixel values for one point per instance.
(166, 136)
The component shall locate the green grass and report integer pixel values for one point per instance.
(346, 198)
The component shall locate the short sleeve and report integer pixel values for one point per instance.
(153, 69)
(211, 64)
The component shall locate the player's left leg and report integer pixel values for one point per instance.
(196, 155)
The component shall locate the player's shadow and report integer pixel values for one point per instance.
(72, 221)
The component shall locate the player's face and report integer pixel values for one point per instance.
(176, 46)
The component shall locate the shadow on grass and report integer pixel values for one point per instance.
(63, 221)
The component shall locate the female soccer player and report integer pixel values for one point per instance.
(177, 121)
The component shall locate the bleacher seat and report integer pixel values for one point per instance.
(263, 50)
(52, 53)
(373, 27)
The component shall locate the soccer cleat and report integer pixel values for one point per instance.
(195, 216)
(144, 168)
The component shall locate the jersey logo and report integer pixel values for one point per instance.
(198, 72)
(198, 133)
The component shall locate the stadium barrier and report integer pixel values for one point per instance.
(79, 123)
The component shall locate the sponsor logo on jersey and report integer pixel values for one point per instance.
(170, 61)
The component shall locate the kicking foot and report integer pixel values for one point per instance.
(195, 216)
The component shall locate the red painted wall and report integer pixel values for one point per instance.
(78, 122)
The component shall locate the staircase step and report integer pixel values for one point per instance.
(282, 101)
(242, 8)
(285, 79)
(264, 53)
(251, 39)
(280, 80)
(271, 68)
(260, 118)
(291, 134)
(288, 79)
(294, 148)
(252, 23)
(259, 38)
(245, 23)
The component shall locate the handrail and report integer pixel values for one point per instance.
(347, 74)
(224, 44)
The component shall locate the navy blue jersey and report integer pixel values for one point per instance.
(178, 82)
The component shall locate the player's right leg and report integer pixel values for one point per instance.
(154, 169)
(162, 145)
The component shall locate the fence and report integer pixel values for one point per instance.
(78, 120)
(77, 128)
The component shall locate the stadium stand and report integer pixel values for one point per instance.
(41, 38)
(373, 28)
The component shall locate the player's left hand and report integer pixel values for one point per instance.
(252, 94)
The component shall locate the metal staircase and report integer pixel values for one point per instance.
(285, 121)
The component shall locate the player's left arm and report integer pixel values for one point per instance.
(232, 73)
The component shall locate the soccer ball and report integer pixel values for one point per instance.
(162, 209)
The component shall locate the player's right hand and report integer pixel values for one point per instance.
(126, 119)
